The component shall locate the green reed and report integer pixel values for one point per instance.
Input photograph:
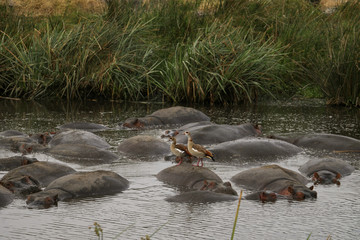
(181, 51)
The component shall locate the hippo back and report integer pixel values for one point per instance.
(329, 164)
(186, 175)
(78, 137)
(253, 148)
(43, 172)
(144, 145)
(330, 142)
(6, 196)
(179, 115)
(85, 184)
(218, 133)
(258, 178)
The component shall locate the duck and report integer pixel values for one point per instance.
(179, 150)
(197, 150)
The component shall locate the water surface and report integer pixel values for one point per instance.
(141, 210)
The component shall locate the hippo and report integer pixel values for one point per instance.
(252, 148)
(42, 138)
(31, 178)
(274, 178)
(217, 133)
(323, 141)
(22, 144)
(78, 185)
(263, 196)
(7, 164)
(82, 154)
(326, 170)
(201, 196)
(12, 133)
(201, 181)
(6, 197)
(79, 137)
(144, 146)
(86, 126)
(167, 116)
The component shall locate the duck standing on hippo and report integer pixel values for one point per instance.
(274, 178)
(326, 170)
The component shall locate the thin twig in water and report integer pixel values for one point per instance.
(236, 216)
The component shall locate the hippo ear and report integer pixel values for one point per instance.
(338, 176)
(227, 184)
(311, 188)
(316, 176)
(262, 197)
(291, 190)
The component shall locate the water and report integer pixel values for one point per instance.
(141, 210)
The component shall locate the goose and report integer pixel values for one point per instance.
(179, 150)
(197, 150)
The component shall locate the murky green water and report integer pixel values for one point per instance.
(141, 210)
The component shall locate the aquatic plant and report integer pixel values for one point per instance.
(183, 51)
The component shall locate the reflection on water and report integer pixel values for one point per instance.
(141, 210)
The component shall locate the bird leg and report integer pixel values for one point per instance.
(180, 161)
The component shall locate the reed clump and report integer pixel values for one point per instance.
(183, 51)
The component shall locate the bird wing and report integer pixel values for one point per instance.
(183, 148)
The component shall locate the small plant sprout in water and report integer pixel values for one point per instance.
(98, 230)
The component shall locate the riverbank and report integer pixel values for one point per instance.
(181, 51)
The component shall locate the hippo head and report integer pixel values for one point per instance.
(42, 138)
(23, 185)
(25, 148)
(27, 161)
(326, 177)
(42, 201)
(225, 187)
(133, 123)
(300, 192)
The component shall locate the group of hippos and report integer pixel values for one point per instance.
(43, 183)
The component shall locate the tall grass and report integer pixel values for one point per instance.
(183, 51)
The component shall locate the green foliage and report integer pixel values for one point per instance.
(184, 51)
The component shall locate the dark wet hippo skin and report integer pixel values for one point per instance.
(32, 177)
(276, 179)
(42, 138)
(167, 116)
(144, 145)
(86, 126)
(12, 133)
(79, 137)
(78, 185)
(263, 196)
(82, 154)
(217, 133)
(253, 149)
(326, 170)
(322, 141)
(205, 185)
(7, 164)
(22, 144)
(6, 197)
(201, 196)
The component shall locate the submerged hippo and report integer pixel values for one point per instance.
(253, 149)
(326, 171)
(167, 116)
(12, 133)
(30, 178)
(218, 133)
(6, 197)
(86, 126)
(78, 185)
(199, 181)
(10, 163)
(82, 154)
(322, 141)
(263, 196)
(144, 146)
(276, 179)
(79, 137)
(22, 144)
